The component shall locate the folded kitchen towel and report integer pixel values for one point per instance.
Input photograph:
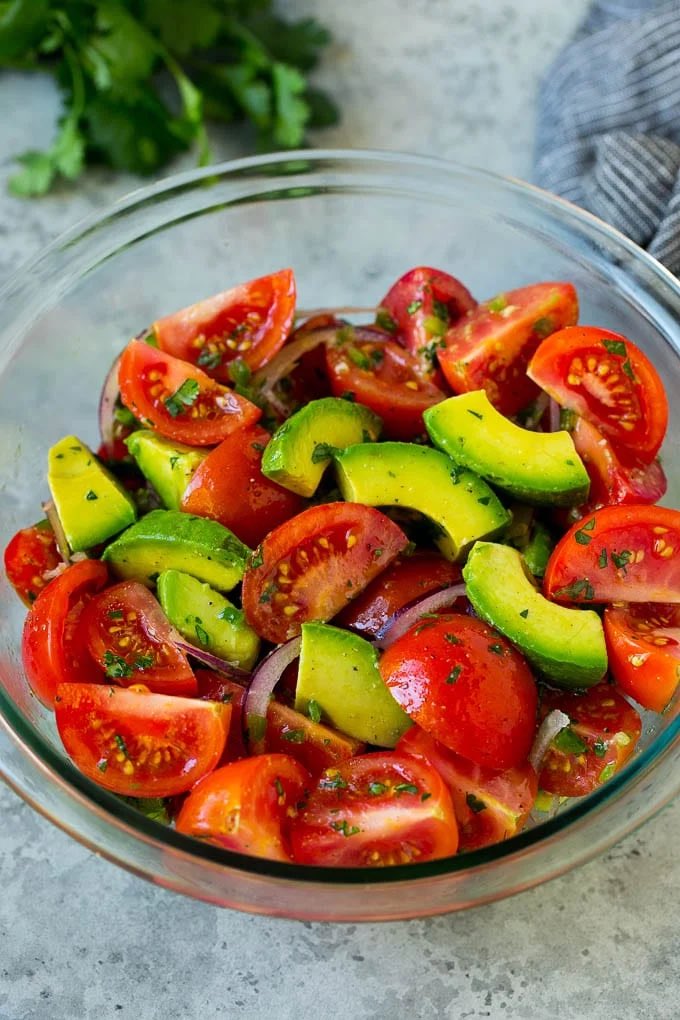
(608, 133)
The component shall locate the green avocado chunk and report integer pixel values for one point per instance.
(172, 540)
(566, 645)
(339, 671)
(207, 619)
(537, 467)
(91, 504)
(168, 466)
(302, 448)
(414, 477)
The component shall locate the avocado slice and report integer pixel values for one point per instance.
(168, 466)
(414, 477)
(302, 448)
(170, 539)
(206, 619)
(91, 504)
(537, 467)
(566, 645)
(339, 671)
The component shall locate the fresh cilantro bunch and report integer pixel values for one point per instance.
(140, 78)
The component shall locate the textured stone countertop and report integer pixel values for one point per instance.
(80, 938)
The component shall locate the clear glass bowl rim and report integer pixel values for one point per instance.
(106, 806)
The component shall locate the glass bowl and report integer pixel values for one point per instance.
(349, 223)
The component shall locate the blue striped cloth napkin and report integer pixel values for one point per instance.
(608, 133)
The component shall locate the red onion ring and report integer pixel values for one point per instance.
(107, 406)
(54, 521)
(265, 679)
(311, 313)
(287, 358)
(404, 618)
(553, 724)
(228, 669)
(554, 415)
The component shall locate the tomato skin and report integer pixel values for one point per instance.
(126, 626)
(616, 554)
(246, 806)
(490, 806)
(387, 379)
(491, 346)
(229, 487)
(406, 579)
(420, 299)
(140, 744)
(148, 378)
(643, 645)
(250, 322)
(52, 647)
(601, 720)
(466, 686)
(611, 481)
(365, 813)
(606, 379)
(30, 554)
(313, 562)
(215, 687)
(315, 746)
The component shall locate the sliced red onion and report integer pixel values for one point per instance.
(233, 672)
(287, 358)
(554, 415)
(107, 406)
(310, 313)
(540, 406)
(553, 724)
(54, 521)
(265, 679)
(404, 618)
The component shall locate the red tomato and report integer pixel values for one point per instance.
(133, 742)
(382, 376)
(611, 481)
(130, 639)
(309, 379)
(407, 579)
(490, 806)
(30, 555)
(250, 322)
(215, 687)
(53, 649)
(374, 811)
(606, 379)
(602, 735)
(247, 805)
(314, 745)
(422, 304)
(466, 686)
(491, 347)
(177, 400)
(309, 567)
(616, 554)
(643, 644)
(230, 488)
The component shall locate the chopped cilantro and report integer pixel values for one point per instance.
(581, 586)
(496, 649)
(602, 559)
(143, 662)
(314, 711)
(425, 796)
(405, 788)
(120, 744)
(543, 327)
(376, 789)
(569, 742)
(257, 558)
(349, 395)
(258, 447)
(524, 613)
(377, 553)
(607, 772)
(294, 736)
(257, 726)
(615, 347)
(497, 304)
(345, 828)
(209, 359)
(174, 460)
(102, 764)
(125, 417)
(484, 500)
(475, 414)
(358, 358)
(115, 614)
(202, 634)
(452, 639)
(599, 748)
(441, 310)
(267, 594)
(622, 559)
(323, 452)
(90, 495)
(385, 321)
(413, 306)
(278, 787)
(627, 369)
(474, 803)
(229, 613)
(332, 781)
(454, 674)
(184, 396)
(115, 667)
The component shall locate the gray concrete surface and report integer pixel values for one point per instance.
(81, 939)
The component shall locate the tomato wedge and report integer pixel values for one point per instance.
(230, 488)
(611, 481)
(374, 811)
(491, 347)
(52, 648)
(420, 307)
(466, 686)
(309, 567)
(314, 745)
(215, 687)
(178, 400)
(618, 554)
(247, 806)
(250, 322)
(406, 580)
(602, 735)
(130, 639)
(490, 806)
(30, 555)
(606, 379)
(140, 744)
(362, 365)
(643, 644)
